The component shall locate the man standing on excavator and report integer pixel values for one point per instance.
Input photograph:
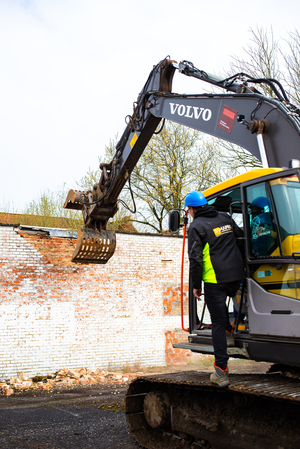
(216, 260)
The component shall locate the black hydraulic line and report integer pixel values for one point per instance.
(132, 197)
(270, 82)
(188, 68)
(161, 128)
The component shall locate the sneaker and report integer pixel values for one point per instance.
(220, 377)
(229, 339)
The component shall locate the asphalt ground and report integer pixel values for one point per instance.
(80, 417)
(84, 417)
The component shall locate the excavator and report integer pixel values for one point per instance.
(185, 410)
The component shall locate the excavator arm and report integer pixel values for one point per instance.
(242, 116)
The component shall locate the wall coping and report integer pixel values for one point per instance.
(44, 228)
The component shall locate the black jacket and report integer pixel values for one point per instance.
(213, 251)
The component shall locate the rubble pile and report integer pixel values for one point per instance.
(65, 378)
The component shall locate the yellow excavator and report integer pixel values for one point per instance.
(184, 410)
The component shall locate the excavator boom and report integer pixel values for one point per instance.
(242, 116)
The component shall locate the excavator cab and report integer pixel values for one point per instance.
(265, 203)
(186, 409)
(163, 409)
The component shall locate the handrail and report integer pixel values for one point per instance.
(182, 261)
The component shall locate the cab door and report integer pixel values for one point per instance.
(272, 228)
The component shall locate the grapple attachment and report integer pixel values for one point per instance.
(94, 246)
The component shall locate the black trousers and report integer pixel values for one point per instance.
(215, 298)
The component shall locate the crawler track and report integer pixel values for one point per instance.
(256, 411)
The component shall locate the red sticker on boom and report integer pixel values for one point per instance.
(227, 118)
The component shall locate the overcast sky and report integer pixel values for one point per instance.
(71, 69)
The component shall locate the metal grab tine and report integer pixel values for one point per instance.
(94, 246)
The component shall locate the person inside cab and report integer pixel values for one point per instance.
(263, 234)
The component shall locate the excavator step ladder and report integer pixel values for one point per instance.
(94, 246)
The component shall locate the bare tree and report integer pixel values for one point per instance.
(236, 158)
(292, 66)
(262, 58)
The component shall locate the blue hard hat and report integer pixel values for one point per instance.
(262, 202)
(195, 199)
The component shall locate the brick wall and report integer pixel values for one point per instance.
(54, 313)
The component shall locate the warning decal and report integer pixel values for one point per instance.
(227, 118)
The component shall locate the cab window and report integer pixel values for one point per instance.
(223, 201)
(286, 194)
(263, 236)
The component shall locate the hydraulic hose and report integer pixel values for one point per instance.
(182, 263)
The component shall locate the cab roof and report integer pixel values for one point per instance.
(236, 180)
